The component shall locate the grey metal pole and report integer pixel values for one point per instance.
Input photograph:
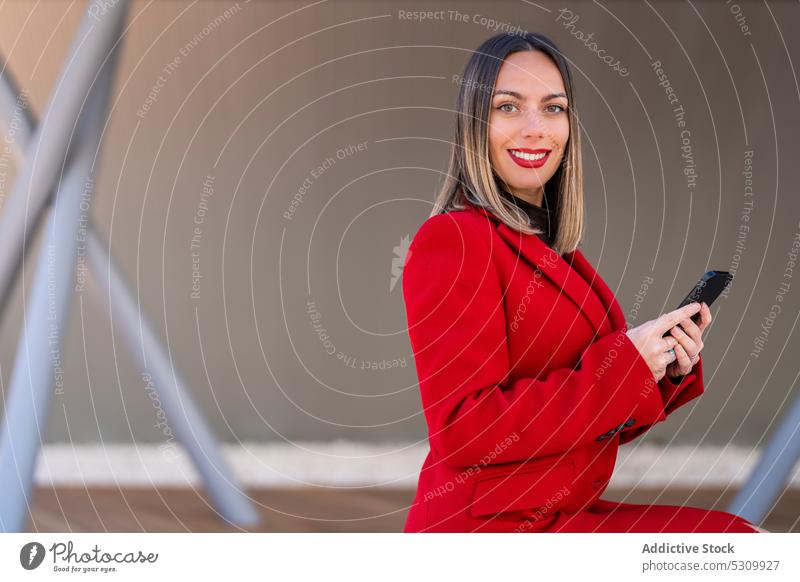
(183, 417)
(40, 170)
(38, 356)
(219, 478)
(14, 108)
(773, 470)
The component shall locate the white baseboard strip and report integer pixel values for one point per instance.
(355, 464)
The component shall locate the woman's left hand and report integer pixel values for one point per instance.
(690, 342)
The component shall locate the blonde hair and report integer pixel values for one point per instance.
(470, 176)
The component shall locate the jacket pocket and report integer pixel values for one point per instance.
(528, 490)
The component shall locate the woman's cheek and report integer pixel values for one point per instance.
(495, 145)
(563, 133)
(494, 137)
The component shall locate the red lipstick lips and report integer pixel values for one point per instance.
(531, 159)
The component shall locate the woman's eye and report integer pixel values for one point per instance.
(560, 108)
(506, 105)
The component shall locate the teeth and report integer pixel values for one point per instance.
(525, 156)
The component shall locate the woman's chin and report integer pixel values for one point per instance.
(527, 186)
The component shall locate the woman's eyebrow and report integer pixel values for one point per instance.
(521, 98)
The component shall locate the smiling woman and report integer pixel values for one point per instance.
(519, 139)
(528, 126)
(529, 378)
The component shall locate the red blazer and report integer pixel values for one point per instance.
(529, 384)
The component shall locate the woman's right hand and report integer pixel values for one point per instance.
(652, 346)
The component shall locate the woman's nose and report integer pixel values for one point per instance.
(533, 125)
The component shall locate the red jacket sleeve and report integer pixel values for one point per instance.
(673, 395)
(457, 329)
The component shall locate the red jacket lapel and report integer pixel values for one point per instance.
(570, 273)
(606, 296)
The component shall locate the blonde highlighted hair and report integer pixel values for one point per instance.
(470, 176)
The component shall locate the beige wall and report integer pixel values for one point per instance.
(276, 88)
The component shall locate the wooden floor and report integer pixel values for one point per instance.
(299, 510)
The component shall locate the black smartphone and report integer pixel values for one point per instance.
(706, 291)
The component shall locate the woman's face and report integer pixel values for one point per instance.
(528, 119)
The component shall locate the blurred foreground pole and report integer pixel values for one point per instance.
(184, 418)
(773, 470)
(38, 352)
(90, 69)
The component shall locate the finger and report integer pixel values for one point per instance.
(669, 343)
(672, 318)
(691, 329)
(667, 355)
(684, 340)
(684, 363)
(705, 317)
(677, 368)
(695, 333)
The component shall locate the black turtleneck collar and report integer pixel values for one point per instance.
(540, 216)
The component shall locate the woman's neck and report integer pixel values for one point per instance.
(535, 198)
